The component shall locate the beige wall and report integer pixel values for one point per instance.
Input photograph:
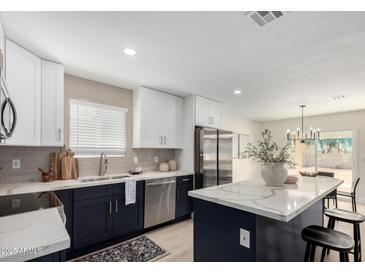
(349, 120)
(243, 169)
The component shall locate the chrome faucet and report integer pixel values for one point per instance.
(103, 166)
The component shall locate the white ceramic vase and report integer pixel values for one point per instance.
(274, 174)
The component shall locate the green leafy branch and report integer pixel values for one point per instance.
(268, 151)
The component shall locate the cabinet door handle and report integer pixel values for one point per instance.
(110, 207)
(164, 140)
(185, 180)
(116, 206)
(213, 120)
(161, 139)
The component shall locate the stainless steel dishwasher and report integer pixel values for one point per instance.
(159, 201)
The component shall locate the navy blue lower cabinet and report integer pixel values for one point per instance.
(184, 204)
(100, 214)
(127, 218)
(93, 192)
(92, 221)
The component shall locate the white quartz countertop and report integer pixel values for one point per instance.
(31, 187)
(30, 235)
(280, 203)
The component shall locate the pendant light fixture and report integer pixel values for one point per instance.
(300, 135)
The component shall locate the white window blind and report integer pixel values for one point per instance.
(96, 128)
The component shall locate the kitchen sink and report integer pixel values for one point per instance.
(97, 179)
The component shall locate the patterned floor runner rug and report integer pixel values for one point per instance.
(140, 249)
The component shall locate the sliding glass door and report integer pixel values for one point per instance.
(333, 153)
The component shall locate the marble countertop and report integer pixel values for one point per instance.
(30, 235)
(280, 203)
(31, 187)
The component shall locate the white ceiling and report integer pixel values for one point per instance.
(303, 58)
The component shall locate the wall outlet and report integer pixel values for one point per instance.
(15, 203)
(135, 160)
(156, 159)
(15, 164)
(244, 238)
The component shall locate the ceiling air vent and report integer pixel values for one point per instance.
(263, 18)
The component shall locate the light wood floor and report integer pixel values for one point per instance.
(178, 238)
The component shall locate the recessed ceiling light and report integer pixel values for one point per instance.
(130, 51)
(237, 91)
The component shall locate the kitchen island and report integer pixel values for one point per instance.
(249, 221)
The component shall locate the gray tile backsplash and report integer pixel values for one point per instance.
(33, 158)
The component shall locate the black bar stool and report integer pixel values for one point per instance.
(351, 194)
(333, 195)
(326, 238)
(350, 217)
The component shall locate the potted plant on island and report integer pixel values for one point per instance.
(272, 156)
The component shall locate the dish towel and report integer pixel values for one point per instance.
(130, 191)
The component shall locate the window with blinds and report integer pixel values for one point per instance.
(97, 128)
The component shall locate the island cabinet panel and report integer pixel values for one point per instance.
(127, 218)
(217, 233)
(281, 241)
(184, 203)
(92, 221)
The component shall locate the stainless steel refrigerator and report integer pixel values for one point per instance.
(213, 157)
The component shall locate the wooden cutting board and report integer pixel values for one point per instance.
(66, 167)
(60, 156)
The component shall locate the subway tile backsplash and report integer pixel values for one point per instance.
(32, 158)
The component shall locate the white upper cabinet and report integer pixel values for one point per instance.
(157, 119)
(23, 76)
(208, 113)
(216, 114)
(202, 117)
(52, 104)
(172, 120)
(147, 123)
(2, 45)
(36, 88)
